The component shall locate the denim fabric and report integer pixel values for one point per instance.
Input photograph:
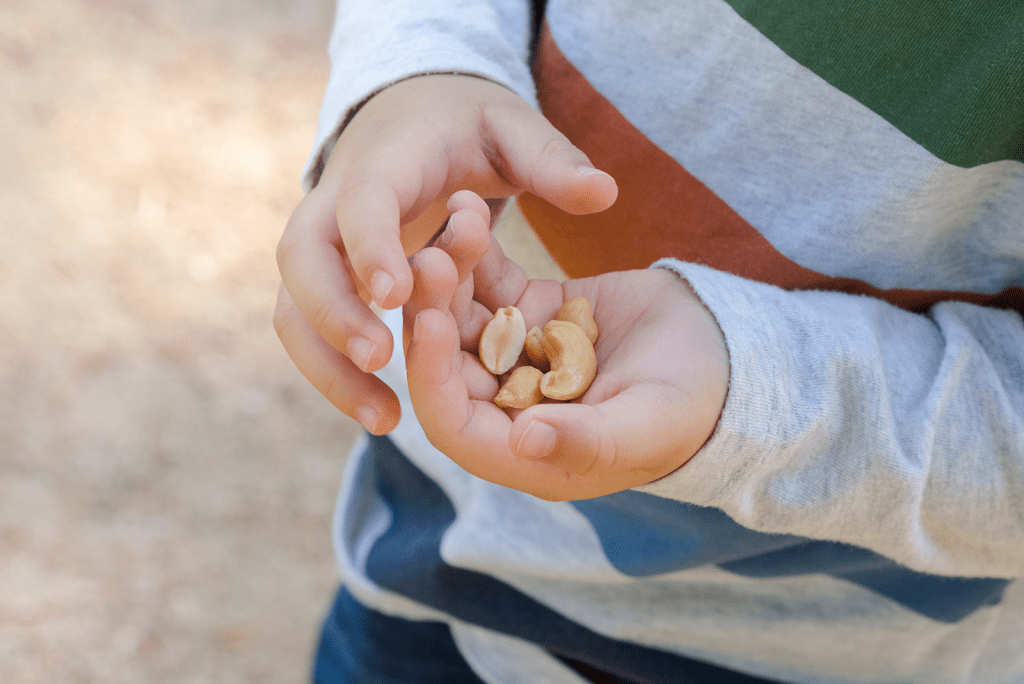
(362, 646)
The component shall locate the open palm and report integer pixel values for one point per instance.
(660, 386)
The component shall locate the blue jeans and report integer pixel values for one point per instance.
(362, 646)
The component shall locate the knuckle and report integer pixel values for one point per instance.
(555, 151)
(321, 319)
(462, 428)
(355, 185)
(557, 148)
(284, 318)
(555, 492)
(339, 392)
(331, 387)
(285, 249)
(286, 314)
(606, 454)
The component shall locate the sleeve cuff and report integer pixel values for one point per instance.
(739, 446)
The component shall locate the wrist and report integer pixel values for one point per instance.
(710, 361)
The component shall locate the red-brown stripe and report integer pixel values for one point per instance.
(664, 211)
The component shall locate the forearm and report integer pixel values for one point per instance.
(851, 420)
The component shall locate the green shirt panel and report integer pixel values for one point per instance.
(949, 74)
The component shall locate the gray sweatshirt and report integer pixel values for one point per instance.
(845, 194)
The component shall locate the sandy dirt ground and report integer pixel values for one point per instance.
(166, 476)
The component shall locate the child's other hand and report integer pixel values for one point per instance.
(661, 381)
(382, 195)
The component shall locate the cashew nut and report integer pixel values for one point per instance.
(502, 340)
(573, 361)
(522, 390)
(535, 350)
(578, 310)
(566, 345)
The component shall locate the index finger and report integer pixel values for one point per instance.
(473, 433)
(319, 282)
(389, 193)
(368, 214)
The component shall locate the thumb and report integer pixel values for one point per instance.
(572, 437)
(533, 155)
(628, 440)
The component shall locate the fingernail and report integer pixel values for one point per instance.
(361, 350)
(380, 284)
(449, 237)
(588, 170)
(367, 417)
(415, 329)
(537, 442)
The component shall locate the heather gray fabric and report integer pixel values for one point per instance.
(850, 423)
(829, 183)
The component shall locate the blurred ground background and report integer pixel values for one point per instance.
(166, 476)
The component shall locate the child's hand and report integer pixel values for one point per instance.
(382, 195)
(661, 381)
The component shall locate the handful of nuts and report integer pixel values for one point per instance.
(564, 349)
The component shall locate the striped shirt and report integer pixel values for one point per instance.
(843, 186)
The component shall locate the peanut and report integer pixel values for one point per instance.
(502, 340)
(563, 356)
(522, 389)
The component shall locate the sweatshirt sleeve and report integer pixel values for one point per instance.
(376, 44)
(851, 420)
